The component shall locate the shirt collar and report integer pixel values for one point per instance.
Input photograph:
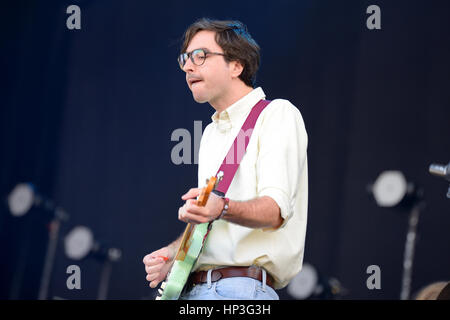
(231, 115)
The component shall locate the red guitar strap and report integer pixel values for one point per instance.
(234, 156)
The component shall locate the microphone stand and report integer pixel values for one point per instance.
(408, 255)
(104, 280)
(54, 226)
(112, 255)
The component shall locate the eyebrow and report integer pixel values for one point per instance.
(195, 49)
(203, 48)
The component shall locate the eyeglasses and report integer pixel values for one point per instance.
(197, 56)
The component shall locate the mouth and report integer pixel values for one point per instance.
(193, 81)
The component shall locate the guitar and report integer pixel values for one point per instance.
(192, 242)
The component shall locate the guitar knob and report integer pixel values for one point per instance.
(160, 291)
(163, 285)
(158, 298)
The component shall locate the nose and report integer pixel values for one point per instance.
(188, 66)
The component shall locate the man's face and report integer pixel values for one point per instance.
(210, 81)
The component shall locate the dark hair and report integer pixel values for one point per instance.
(237, 44)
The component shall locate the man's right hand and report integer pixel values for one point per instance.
(157, 265)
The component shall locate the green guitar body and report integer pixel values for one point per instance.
(181, 269)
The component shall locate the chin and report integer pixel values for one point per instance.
(199, 98)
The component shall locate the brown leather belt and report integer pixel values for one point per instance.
(230, 272)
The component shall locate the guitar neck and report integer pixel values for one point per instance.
(184, 247)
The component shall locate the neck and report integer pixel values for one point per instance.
(227, 99)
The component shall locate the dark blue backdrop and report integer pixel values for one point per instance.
(87, 116)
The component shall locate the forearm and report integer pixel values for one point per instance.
(261, 212)
(173, 247)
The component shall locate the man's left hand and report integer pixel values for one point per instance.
(190, 212)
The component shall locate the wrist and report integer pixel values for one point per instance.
(226, 206)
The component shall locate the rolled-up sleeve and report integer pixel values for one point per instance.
(282, 149)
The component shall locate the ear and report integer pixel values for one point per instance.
(236, 69)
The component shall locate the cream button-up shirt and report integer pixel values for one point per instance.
(274, 165)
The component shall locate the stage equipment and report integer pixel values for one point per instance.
(391, 189)
(441, 171)
(21, 200)
(308, 284)
(80, 243)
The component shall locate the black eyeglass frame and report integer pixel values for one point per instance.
(182, 58)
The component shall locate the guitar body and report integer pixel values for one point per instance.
(181, 268)
(190, 248)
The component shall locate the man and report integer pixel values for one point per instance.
(257, 244)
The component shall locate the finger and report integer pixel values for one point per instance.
(184, 209)
(193, 218)
(153, 260)
(156, 267)
(180, 213)
(153, 269)
(154, 284)
(151, 277)
(197, 210)
(192, 193)
(146, 258)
